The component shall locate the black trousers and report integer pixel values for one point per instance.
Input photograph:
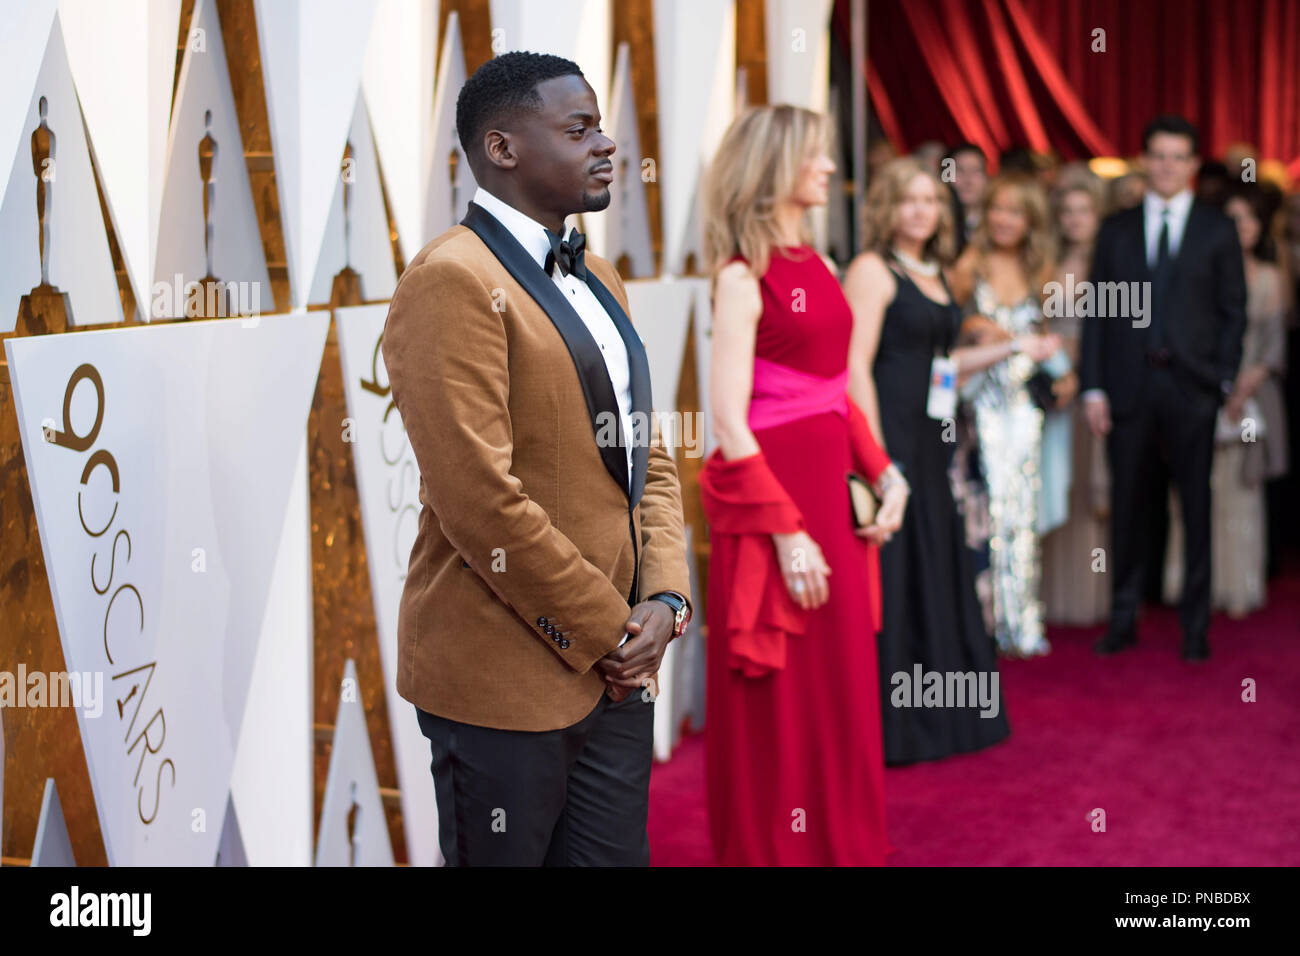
(571, 797)
(1170, 433)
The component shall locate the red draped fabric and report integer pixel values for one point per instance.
(884, 108)
(1031, 72)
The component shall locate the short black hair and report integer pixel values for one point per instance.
(1018, 159)
(1170, 123)
(1212, 169)
(960, 148)
(1258, 202)
(503, 86)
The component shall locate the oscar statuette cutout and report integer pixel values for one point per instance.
(31, 632)
(45, 309)
(347, 284)
(210, 298)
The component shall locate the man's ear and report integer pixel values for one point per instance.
(500, 151)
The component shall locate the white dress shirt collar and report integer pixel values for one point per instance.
(1178, 204)
(530, 233)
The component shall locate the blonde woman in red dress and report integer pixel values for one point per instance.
(795, 766)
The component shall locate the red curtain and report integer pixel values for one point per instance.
(1024, 72)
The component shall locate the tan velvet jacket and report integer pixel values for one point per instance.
(521, 575)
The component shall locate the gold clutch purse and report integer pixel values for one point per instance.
(862, 501)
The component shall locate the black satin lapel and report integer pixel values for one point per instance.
(593, 374)
(639, 369)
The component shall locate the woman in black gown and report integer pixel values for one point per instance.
(904, 316)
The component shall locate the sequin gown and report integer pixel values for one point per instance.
(1009, 429)
(931, 614)
(794, 762)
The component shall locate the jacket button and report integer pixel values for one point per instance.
(564, 644)
(541, 622)
(549, 629)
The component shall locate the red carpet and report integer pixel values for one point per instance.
(1187, 773)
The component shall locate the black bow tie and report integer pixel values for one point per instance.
(568, 254)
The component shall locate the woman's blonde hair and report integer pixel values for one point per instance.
(1078, 178)
(1038, 248)
(756, 167)
(880, 211)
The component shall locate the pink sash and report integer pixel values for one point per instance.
(782, 394)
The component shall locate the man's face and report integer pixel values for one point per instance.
(1170, 162)
(564, 163)
(971, 177)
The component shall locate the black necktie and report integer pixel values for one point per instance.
(1162, 247)
(1160, 275)
(568, 254)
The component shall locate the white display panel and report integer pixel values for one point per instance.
(160, 461)
(388, 485)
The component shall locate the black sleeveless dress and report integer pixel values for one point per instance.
(931, 614)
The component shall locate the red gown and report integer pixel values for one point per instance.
(794, 758)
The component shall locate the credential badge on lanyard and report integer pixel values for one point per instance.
(942, 402)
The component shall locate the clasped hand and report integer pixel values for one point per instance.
(626, 668)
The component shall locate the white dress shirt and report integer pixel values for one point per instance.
(1153, 207)
(531, 234)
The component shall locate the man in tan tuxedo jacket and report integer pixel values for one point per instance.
(549, 569)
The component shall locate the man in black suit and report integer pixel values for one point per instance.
(1155, 377)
